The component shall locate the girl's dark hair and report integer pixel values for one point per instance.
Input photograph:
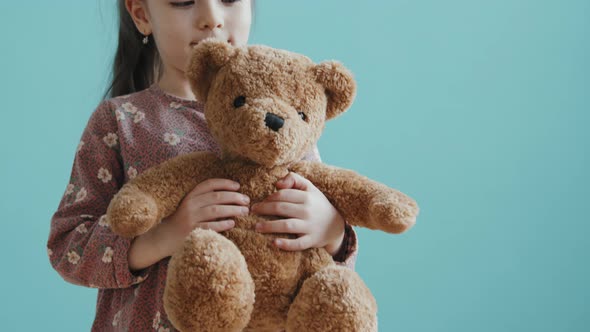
(136, 66)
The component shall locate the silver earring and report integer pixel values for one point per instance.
(145, 40)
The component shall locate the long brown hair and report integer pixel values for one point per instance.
(136, 66)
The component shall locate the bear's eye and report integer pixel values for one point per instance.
(239, 101)
(303, 116)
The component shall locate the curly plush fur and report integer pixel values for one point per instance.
(266, 107)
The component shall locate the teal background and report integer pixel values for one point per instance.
(477, 109)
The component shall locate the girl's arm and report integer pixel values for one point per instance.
(81, 247)
(212, 204)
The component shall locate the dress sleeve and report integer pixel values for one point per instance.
(349, 248)
(81, 246)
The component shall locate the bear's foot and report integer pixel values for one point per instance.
(333, 299)
(208, 287)
(132, 212)
(393, 212)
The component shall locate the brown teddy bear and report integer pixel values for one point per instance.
(266, 108)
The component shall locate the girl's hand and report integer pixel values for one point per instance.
(210, 205)
(308, 213)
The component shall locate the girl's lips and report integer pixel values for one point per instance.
(196, 42)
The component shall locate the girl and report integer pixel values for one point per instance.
(152, 116)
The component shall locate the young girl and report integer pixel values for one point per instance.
(153, 116)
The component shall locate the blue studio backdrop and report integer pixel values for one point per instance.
(477, 109)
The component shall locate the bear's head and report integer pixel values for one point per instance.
(266, 105)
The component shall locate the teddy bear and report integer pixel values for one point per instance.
(266, 108)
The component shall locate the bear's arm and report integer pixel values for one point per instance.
(361, 201)
(156, 193)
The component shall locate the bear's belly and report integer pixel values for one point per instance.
(277, 275)
(273, 270)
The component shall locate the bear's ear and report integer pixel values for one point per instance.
(339, 85)
(206, 60)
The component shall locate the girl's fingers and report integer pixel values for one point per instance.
(221, 198)
(214, 212)
(281, 209)
(298, 244)
(214, 185)
(292, 226)
(293, 181)
(217, 226)
(288, 195)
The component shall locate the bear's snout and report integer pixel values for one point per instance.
(274, 121)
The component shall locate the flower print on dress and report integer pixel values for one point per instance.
(119, 115)
(139, 279)
(80, 145)
(159, 324)
(129, 108)
(107, 257)
(117, 318)
(156, 321)
(111, 140)
(82, 229)
(131, 172)
(102, 221)
(175, 105)
(73, 257)
(69, 189)
(81, 195)
(171, 139)
(138, 117)
(104, 175)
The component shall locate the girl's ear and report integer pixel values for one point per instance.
(339, 85)
(206, 60)
(138, 13)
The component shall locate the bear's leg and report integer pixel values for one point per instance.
(333, 299)
(208, 286)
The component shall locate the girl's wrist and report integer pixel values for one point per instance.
(146, 249)
(169, 237)
(156, 244)
(334, 246)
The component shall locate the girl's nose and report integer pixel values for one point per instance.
(209, 16)
(210, 25)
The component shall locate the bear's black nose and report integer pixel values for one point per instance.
(274, 121)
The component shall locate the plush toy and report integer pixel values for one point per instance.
(266, 108)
